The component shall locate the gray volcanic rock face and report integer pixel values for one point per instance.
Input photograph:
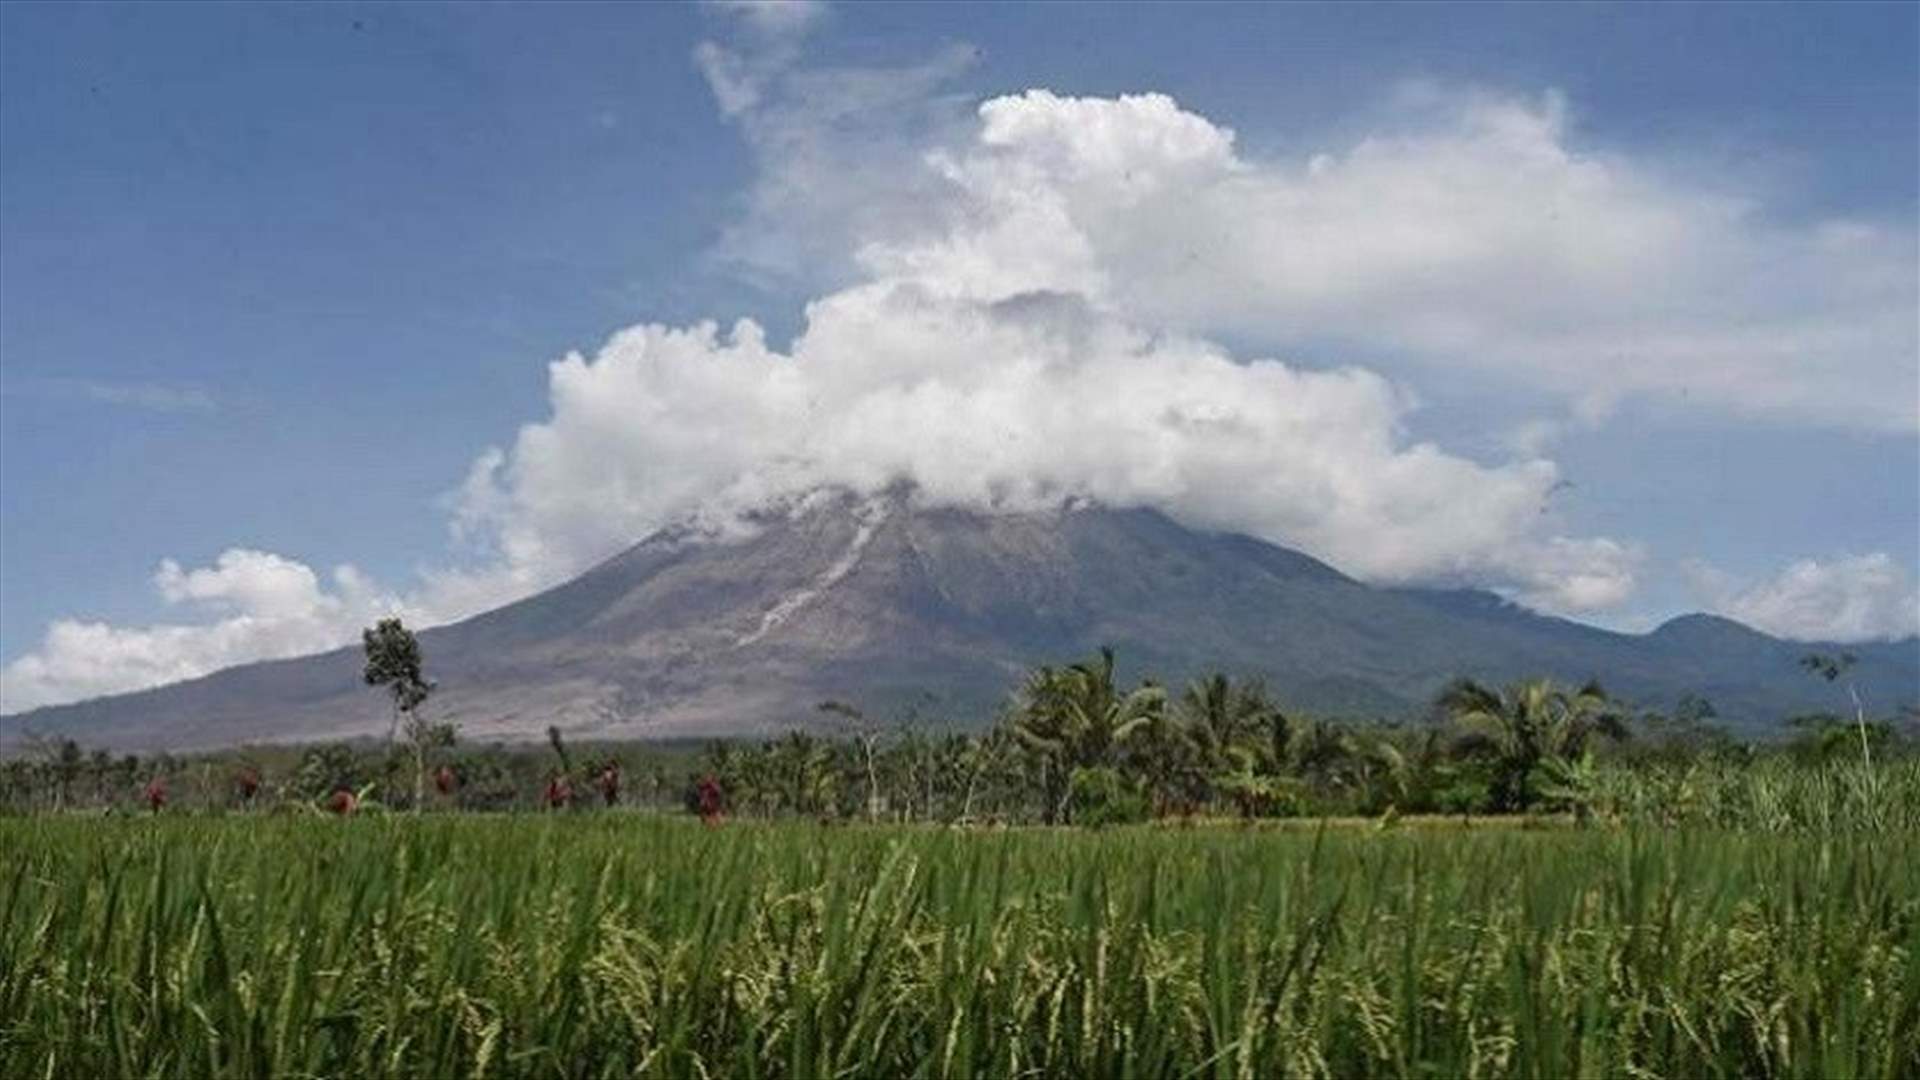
(892, 606)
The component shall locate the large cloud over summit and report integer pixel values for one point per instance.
(994, 354)
(1016, 402)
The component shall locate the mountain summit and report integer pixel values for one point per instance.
(888, 604)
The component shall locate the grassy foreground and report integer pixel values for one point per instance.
(625, 945)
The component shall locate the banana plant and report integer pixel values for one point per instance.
(1570, 784)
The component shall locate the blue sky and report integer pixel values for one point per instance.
(272, 278)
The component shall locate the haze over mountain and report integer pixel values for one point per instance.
(894, 605)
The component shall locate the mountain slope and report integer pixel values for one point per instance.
(885, 604)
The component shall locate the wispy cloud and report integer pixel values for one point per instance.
(741, 73)
(772, 17)
(152, 397)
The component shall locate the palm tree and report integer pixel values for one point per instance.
(100, 772)
(1221, 721)
(1379, 772)
(64, 764)
(1075, 717)
(1219, 715)
(1526, 723)
(1162, 756)
(979, 759)
(805, 770)
(1320, 752)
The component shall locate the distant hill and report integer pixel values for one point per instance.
(889, 605)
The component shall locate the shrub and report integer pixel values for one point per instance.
(1100, 796)
(1262, 796)
(1466, 795)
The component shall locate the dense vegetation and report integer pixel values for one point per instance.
(624, 944)
(1073, 747)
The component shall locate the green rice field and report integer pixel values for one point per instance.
(631, 945)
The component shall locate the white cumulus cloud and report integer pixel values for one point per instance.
(1868, 597)
(255, 606)
(1013, 403)
(1473, 233)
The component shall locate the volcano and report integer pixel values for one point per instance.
(936, 612)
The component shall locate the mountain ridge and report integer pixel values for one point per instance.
(897, 606)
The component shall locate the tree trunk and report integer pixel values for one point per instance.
(966, 804)
(873, 784)
(419, 761)
(1860, 718)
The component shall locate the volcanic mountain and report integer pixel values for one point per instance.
(894, 606)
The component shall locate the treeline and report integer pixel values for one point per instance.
(353, 776)
(1074, 746)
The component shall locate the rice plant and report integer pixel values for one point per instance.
(622, 945)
